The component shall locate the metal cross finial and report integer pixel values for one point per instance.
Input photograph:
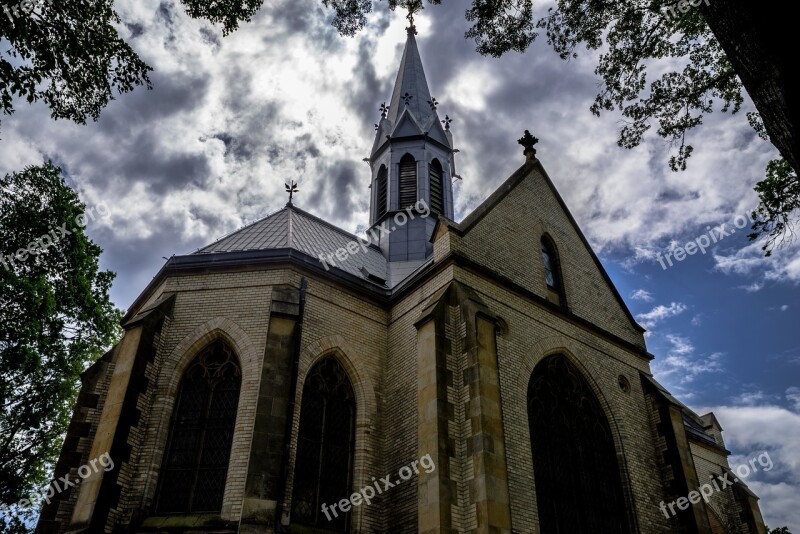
(411, 28)
(447, 120)
(291, 189)
(384, 109)
(407, 98)
(528, 141)
(433, 103)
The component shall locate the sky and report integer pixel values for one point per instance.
(231, 118)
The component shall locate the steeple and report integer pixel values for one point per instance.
(411, 81)
(411, 160)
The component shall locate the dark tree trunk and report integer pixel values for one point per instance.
(761, 41)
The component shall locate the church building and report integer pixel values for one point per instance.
(482, 376)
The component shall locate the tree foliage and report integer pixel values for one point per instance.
(55, 319)
(67, 54)
(779, 196)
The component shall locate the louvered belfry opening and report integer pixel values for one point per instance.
(382, 192)
(323, 472)
(578, 482)
(198, 448)
(437, 187)
(408, 181)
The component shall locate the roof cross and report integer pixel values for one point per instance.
(411, 28)
(528, 141)
(291, 189)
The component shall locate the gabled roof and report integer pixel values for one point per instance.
(293, 228)
(501, 192)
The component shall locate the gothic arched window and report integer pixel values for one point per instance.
(323, 472)
(437, 186)
(552, 271)
(577, 477)
(408, 181)
(195, 465)
(382, 192)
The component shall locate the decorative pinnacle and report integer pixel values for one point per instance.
(376, 127)
(384, 109)
(528, 141)
(411, 28)
(407, 98)
(291, 189)
(433, 103)
(447, 120)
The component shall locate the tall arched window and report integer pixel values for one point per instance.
(552, 271)
(323, 472)
(437, 186)
(577, 477)
(382, 192)
(408, 181)
(195, 465)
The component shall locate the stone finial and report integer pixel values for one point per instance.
(528, 141)
(447, 120)
(384, 109)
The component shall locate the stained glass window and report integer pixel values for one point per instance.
(324, 464)
(198, 448)
(577, 477)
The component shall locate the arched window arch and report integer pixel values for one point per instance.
(323, 473)
(436, 175)
(382, 192)
(577, 477)
(552, 270)
(195, 464)
(408, 181)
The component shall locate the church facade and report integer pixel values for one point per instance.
(482, 376)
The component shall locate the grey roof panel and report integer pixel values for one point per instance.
(294, 228)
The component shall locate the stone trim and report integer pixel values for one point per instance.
(169, 376)
(366, 412)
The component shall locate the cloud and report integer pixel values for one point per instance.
(681, 365)
(793, 396)
(784, 307)
(782, 266)
(642, 294)
(754, 287)
(659, 313)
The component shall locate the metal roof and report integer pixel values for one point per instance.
(294, 228)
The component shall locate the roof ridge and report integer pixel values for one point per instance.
(328, 224)
(248, 225)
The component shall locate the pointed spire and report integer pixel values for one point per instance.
(411, 88)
